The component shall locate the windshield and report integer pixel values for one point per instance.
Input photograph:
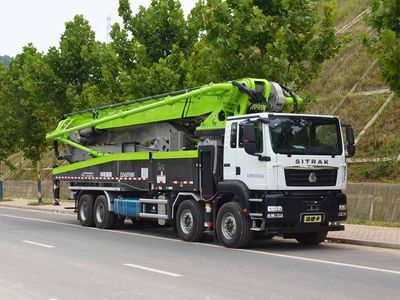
(305, 135)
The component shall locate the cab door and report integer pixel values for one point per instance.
(230, 146)
(242, 166)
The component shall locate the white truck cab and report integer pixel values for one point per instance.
(292, 152)
(294, 166)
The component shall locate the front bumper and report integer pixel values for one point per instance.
(303, 229)
(302, 211)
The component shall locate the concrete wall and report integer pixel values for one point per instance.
(374, 201)
(366, 201)
(28, 189)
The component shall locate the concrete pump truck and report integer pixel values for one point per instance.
(220, 158)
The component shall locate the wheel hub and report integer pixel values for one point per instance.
(186, 221)
(229, 227)
(100, 213)
(84, 211)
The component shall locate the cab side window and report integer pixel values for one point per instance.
(234, 135)
(259, 137)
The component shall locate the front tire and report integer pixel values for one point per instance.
(85, 210)
(311, 238)
(233, 226)
(103, 217)
(190, 221)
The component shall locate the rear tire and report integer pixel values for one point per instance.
(311, 238)
(103, 217)
(85, 210)
(233, 226)
(190, 221)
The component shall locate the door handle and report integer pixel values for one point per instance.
(237, 170)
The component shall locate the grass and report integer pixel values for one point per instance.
(6, 200)
(358, 111)
(45, 201)
(373, 223)
(384, 172)
(347, 10)
(372, 82)
(337, 77)
(383, 138)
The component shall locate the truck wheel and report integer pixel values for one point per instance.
(103, 218)
(190, 221)
(311, 238)
(233, 226)
(85, 210)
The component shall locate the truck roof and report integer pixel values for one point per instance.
(268, 114)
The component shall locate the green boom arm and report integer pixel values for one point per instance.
(213, 102)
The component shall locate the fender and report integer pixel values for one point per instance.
(110, 199)
(110, 195)
(179, 198)
(237, 187)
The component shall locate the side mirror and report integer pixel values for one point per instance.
(249, 138)
(351, 147)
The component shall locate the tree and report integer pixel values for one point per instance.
(7, 118)
(76, 61)
(150, 50)
(384, 43)
(285, 41)
(158, 28)
(37, 89)
(30, 104)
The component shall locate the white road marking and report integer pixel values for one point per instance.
(93, 228)
(38, 211)
(153, 270)
(328, 262)
(39, 244)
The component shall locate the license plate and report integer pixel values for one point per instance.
(312, 218)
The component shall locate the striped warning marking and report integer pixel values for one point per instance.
(181, 182)
(101, 178)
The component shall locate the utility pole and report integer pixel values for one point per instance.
(108, 28)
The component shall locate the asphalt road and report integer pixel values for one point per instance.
(50, 256)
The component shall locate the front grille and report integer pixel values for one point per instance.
(309, 177)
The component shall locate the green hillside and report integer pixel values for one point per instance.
(351, 87)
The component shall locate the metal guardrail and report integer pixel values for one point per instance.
(373, 160)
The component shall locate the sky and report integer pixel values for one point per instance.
(42, 22)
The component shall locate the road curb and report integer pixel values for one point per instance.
(363, 243)
(55, 210)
